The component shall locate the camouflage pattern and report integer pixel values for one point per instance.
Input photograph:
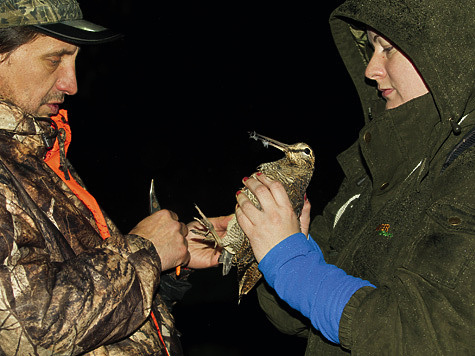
(63, 290)
(37, 12)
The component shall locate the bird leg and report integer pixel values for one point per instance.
(210, 229)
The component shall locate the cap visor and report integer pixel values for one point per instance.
(80, 32)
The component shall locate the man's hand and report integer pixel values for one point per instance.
(203, 253)
(167, 235)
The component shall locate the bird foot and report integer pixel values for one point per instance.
(210, 234)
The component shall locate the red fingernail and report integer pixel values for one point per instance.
(238, 192)
(245, 179)
(305, 197)
(258, 174)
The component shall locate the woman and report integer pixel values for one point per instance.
(389, 267)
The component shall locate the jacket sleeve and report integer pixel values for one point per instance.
(74, 305)
(281, 315)
(296, 269)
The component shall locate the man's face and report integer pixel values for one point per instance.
(37, 75)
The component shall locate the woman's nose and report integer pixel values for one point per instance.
(375, 68)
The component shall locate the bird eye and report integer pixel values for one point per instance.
(307, 151)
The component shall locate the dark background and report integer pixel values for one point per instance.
(174, 100)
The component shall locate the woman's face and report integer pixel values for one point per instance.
(395, 75)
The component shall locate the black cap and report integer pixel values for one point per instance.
(79, 32)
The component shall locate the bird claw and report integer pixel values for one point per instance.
(210, 229)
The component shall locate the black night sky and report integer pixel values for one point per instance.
(174, 101)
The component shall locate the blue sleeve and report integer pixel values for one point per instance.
(297, 271)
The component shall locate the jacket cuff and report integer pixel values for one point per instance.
(348, 315)
(142, 254)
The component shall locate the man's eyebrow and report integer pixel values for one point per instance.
(62, 52)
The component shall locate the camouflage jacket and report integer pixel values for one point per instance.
(64, 290)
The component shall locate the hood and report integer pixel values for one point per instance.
(437, 35)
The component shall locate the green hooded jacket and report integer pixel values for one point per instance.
(404, 216)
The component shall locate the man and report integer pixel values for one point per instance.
(70, 282)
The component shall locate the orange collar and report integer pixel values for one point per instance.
(53, 160)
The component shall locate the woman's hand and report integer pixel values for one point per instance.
(275, 222)
(305, 217)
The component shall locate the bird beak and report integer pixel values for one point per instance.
(269, 141)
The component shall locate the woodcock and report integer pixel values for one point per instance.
(294, 171)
